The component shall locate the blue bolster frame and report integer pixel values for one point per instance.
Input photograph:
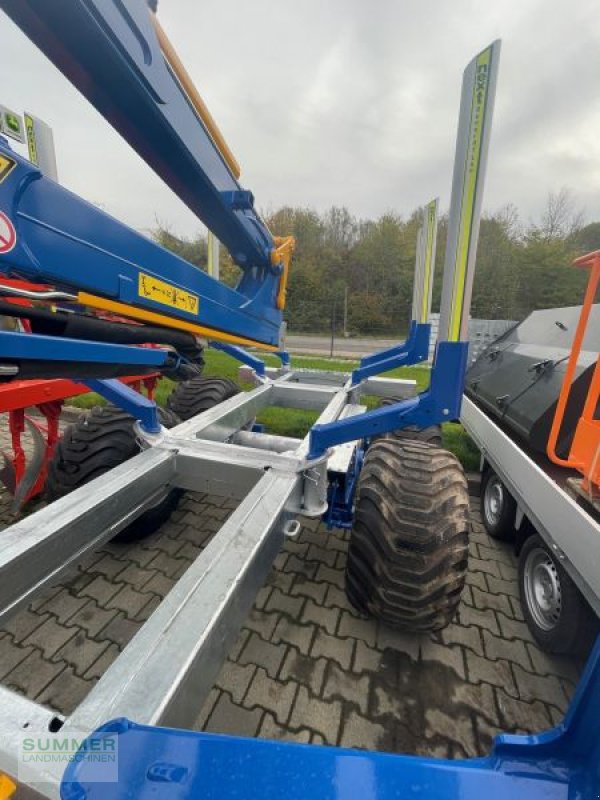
(441, 402)
(413, 351)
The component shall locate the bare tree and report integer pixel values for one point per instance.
(561, 219)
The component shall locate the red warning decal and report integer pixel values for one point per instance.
(8, 234)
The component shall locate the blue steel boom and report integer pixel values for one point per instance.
(111, 52)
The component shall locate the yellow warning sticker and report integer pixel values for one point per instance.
(150, 288)
(6, 166)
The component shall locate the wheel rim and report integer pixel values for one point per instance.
(543, 592)
(493, 500)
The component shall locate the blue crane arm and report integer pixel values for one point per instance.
(111, 53)
(62, 240)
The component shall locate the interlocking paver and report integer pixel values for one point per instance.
(168, 565)
(484, 619)
(101, 590)
(366, 659)
(263, 654)
(50, 637)
(65, 692)
(23, 624)
(346, 686)
(485, 566)
(492, 602)
(285, 604)
(128, 600)
(33, 674)
(80, 652)
(316, 591)
(339, 650)
(120, 630)
(495, 672)
(228, 717)
(307, 670)
(281, 580)
(478, 699)
(159, 584)
(357, 628)
(547, 664)
(274, 696)
(11, 655)
(457, 729)
(301, 636)
(465, 636)
(261, 622)
(390, 704)
(502, 586)
(110, 567)
(450, 656)
(513, 650)
(540, 687)
(477, 580)
(329, 575)
(134, 576)
(235, 679)
(326, 618)
(324, 718)
(364, 734)
(271, 730)
(92, 617)
(64, 605)
(100, 666)
(518, 715)
(513, 628)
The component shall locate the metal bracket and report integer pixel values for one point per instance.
(440, 403)
(257, 364)
(413, 351)
(145, 411)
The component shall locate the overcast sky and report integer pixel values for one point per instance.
(348, 102)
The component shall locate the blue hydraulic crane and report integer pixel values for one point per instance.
(121, 60)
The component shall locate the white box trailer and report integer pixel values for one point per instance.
(524, 498)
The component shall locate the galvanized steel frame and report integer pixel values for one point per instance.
(168, 668)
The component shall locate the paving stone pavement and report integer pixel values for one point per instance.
(306, 667)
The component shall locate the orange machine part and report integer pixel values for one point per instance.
(585, 449)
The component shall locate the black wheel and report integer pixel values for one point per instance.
(431, 434)
(95, 444)
(498, 508)
(556, 613)
(408, 552)
(199, 394)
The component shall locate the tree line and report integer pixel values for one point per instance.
(368, 265)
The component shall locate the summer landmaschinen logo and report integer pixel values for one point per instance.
(96, 755)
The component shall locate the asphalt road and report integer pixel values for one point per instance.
(346, 348)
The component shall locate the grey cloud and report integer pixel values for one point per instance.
(349, 102)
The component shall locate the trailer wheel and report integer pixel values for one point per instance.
(498, 508)
(555, 611)
(408, 553)
(199, 394)
(97, 443)
(431, 434)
